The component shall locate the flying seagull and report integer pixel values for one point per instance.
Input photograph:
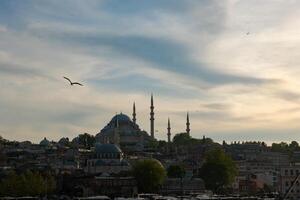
(72, 83)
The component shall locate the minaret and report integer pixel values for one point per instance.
(188, 124)
(152, 117)
(134, 114)
(169, 131)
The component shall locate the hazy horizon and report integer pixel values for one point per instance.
(232, 64)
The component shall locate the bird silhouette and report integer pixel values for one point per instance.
(72, 83)
(247, 33)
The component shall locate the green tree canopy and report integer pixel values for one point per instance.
(294, 145)
(162, 144)
(2, 140)
(153, 144)
(184, 139)
(86, 140)
(176, 171)
(284, 147)
(149, 174)
(280, 147)
(218, 170)
(27, 184)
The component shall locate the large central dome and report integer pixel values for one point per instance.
(125, 124)
(120, 118)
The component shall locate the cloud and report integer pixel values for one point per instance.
(163, 54)
(288, 96)
(9, 69)
(160, 52)
(216, 106)
(3, 28)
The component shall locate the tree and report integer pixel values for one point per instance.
(65, 141)
(149, 174)
(285, 147)
(2, 140)
(294, 145)
(10, 185)
(3, 157)
(280, 147)
(153, 144)
(27, 184)
(218, 170)
(162, 144)
(176, 171)
(182, 139)
(86, 140)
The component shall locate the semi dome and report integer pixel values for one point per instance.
(107, 148)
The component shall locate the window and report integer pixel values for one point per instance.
(292, 172)
(286, 172)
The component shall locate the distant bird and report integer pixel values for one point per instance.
(72, 83)
(247, 33)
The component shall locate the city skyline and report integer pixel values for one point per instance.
(233, 65)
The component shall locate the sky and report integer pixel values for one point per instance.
(234, 65)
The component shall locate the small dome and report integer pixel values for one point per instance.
(45, 142)
(107, 148)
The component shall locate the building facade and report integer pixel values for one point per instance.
(289, 182)
(108, 159)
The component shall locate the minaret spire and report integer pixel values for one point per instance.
(188, 124)
(152, 117)
(169, 131)
(134, 114)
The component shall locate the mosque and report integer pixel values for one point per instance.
(126, 133)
